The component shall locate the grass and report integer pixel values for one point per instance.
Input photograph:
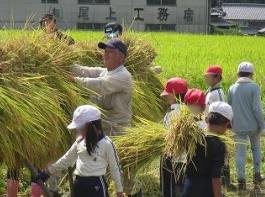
(188, 56)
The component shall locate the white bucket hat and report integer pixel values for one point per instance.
(84, 114)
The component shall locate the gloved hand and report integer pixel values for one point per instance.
(71, 78)
(42, 176)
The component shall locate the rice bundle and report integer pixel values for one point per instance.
(37, 100)
(143, 144)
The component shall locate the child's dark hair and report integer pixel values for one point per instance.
(92, 135)
(244, 74)
(180, 97)
(217, 119)
(218, 76)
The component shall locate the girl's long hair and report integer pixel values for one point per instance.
(92, 137)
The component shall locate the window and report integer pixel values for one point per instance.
(98, 26)
(153, 2)
(94, 2)
(158, 27)
(49, 1)
(243, 23)
(161, 2)
(152, 27)
(84, 26)
(91, 26)
(85, 1)
(170, 27)
(169, 2)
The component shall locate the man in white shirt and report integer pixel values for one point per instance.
(113, 86)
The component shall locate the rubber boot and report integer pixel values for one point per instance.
(35, 190)
(12, 188)
(258, 178)
(242, 185)
(226, 178)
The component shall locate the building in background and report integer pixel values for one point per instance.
(250, 18)
(191, 16)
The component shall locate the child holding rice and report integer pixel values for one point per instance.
(203, 173)
(175, 91)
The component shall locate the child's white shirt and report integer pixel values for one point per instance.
(104, 156)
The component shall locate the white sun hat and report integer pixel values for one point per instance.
(84, 114)
(246, 67)
(222, 108)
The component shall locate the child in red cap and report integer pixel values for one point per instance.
(213, 78)
(175, 91)
(195, 101)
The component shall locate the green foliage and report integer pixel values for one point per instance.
(233, 31)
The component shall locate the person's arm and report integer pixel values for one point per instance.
(229, 97)
(257, 108)
(84, 71)
(218, 159)
(67, 160)
(217, 187)
(114, 167)
(107, 84)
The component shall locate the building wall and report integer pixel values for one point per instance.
(185, 16)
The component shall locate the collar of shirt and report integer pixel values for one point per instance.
(175, 106)
(244, 80)
(216, 86)
(116, 70)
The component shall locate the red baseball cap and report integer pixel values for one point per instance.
(195, 96)
(175, 86)
(213, 70)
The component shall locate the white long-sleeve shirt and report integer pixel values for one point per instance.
(96, 165)
(114, 89)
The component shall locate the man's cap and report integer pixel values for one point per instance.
(175, 86)
(47, 17)
(214, 70)
(246, 67)
(84, 114)
(222, 108)
(195, 97)
(114, 44)
(113, 29)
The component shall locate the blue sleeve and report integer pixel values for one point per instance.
(229, 97)
(257, 107)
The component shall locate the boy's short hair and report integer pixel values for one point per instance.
(244, 74)
(217, 119)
